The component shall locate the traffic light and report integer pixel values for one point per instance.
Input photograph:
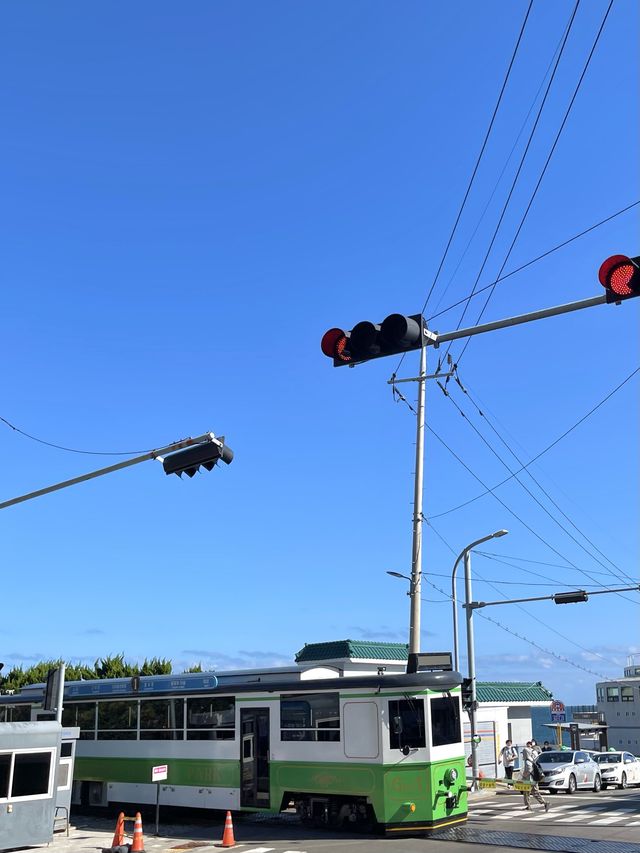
(396, 334)
(571, 597)
(620, 276)
(467, 694)
(189, 461)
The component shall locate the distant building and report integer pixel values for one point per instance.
(619, 702)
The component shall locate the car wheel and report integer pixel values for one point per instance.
(623, 781)
(597, 783)
(571, 789)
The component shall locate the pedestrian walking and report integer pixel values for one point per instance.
(536, 749)
(546, 747)
(532, 773)
(507, 757)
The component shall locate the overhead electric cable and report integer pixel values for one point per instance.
(521, 164)
(542, 452)
(72, 449)
(524, 610)
(514, 514)
(535, 260)
(542, 174)
(624, 574)
(478, 159)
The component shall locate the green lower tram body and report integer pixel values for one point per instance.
(408, 797)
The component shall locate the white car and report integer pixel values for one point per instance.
(566, 770)
(618, 768)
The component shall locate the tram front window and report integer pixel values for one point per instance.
(445, 720)
(406, 727)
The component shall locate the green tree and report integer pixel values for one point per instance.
(114, 666)
(156, 666)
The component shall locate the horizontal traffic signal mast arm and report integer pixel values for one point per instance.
(572, 597)
(206, 438)
(518, 319)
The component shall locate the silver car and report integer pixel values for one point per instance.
(566, 770)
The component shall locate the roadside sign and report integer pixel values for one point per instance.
(558, 712)
(159, 773)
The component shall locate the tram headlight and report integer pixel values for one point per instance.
(450, 776)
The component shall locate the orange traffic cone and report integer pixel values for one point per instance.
(138, 840)
(227, 836)
(118, 837)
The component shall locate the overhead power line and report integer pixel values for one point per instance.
(72, 449)
(542, 452)
(533, 261)
(522, 162)
(478, 159)
(544, 168)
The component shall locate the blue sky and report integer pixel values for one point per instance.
(191, 197)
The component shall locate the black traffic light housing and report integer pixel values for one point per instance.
(467, 696)
(396, 334)
(620, 276)
(189, 461)
(571, 597)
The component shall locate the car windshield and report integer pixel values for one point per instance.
(608, 758)
(555, 757)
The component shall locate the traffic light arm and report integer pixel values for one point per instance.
(127, 463)
(517, 320)
(572, 597)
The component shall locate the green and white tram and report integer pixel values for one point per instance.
(358, 749)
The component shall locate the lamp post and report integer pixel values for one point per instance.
(466, 555)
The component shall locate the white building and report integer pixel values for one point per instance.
(619, 701)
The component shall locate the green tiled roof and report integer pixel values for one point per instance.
(362, 649)
(512, 691)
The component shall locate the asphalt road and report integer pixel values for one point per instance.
(608, 822)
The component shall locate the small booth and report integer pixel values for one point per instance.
(36, 771)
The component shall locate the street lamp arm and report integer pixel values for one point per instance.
(127, 463)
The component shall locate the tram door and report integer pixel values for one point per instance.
(254, 757)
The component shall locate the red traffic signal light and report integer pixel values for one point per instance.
(620, 276)
(396, 334)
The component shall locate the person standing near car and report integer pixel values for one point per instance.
(508, 755)
(531, 773)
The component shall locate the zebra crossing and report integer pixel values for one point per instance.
(588, 812)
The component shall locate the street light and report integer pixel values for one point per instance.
(466, 553)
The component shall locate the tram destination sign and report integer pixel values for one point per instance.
(141, 684)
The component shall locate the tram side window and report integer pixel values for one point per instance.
(211, 718)
(406, 717)
(445, 720)
(117, 720)
(5, 769)
(15, 714)
(310, 716)
(31, 772)
(82, 714)
(162, 719)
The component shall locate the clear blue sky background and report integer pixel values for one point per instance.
(190, 197)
